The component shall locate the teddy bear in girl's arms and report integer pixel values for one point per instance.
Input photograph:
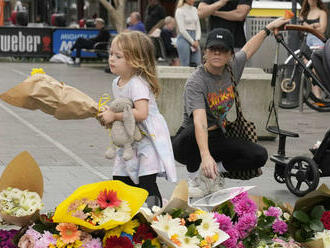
(123, 133)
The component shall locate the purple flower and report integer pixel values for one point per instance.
(273, 211)
(245, 206)
(224, 221)
(238, 198)
(94, 243)
(6, 238)
(232, 241)
(33, 233)
(46, 239)
(245, 224)
(280, 227)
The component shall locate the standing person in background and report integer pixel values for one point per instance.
(189, 33)
(167, 34)
(103, 36)
(228, 14)
(135, 23)
(313, 14)
(155, 12)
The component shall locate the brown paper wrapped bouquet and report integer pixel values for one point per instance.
(40, 91)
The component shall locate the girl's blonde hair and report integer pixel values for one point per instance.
(138, 51)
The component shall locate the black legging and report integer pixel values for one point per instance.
(235, 154)
(80, 44)
(148, 183)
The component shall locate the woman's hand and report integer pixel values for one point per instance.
(195, 44)
(279, 22)
(209, 167)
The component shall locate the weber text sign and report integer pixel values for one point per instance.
(22, 41)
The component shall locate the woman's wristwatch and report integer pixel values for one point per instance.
(267, 31)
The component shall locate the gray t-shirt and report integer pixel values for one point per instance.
(214, 93)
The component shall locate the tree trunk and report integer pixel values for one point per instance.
(117, 13)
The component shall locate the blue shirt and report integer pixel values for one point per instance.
(137, 27)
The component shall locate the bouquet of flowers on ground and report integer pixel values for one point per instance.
(249, 227)
(102, 205)
(136, 233)
(189, 230)
(46, 234)
(310, 222)
(16, 202)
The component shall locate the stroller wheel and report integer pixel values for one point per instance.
(301, 175)
(279, 173)
(287, 85)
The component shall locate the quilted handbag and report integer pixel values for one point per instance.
(245, 130)
(241, 128)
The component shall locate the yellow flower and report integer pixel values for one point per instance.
(199, 212)
(130, 226)
(37, 71)
(203, 243)
(155, 242)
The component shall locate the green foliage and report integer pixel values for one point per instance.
(148, 244)
(268, 202)
(226, 208)
(191, 230)
(307, 224)
(317, 212)
(177, 213)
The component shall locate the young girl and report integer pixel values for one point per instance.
(132, 60)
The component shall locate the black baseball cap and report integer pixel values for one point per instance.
(220, 37)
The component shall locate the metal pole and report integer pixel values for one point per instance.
(293, 41)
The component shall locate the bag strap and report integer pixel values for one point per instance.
(238, 106)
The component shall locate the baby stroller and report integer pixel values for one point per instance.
(301, 174)
(319, 61)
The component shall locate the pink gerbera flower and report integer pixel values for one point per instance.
(108, 199)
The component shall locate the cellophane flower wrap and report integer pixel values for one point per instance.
(102, 205)
(16, 202)
(180, 225)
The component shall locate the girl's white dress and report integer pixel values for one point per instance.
(153, 154)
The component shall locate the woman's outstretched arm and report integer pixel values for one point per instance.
(255, 42)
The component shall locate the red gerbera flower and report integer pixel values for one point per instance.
(143, 232)
(108, 199)
(118, 242)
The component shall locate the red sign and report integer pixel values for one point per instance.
(2, 9)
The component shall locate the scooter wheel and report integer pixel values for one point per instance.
(301, 175)
(279, 173)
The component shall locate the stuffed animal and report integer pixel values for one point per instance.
(123, 133)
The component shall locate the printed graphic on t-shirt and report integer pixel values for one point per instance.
(221, 102)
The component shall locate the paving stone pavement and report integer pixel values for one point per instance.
(71, 153)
